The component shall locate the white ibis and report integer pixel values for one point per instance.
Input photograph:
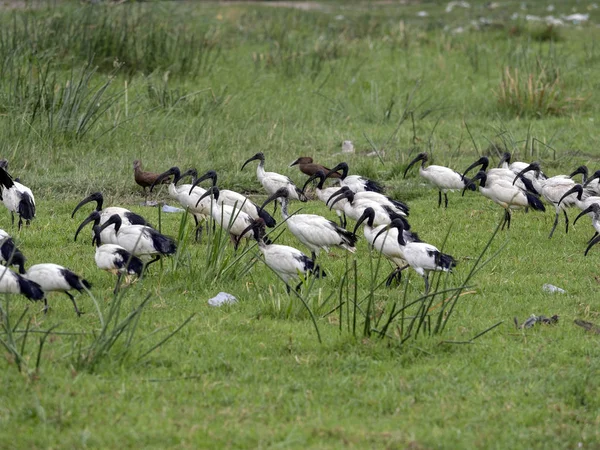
(17, 198)
(383, 200)
(355, 208)
(506, 195)
(422, 257)
(502, 173)
(388, 247)
(583, 200)
(10, 255)
(594, 209)
(108, 235)
(356, 183)
(13, 283)
(552, 190)
(140, 240)
(186, 194)
(324, 194)
(442, 178)
(237, 200)
(272, 181)
(590, 185)
(55, 278)
(284, 260)
(234, 220)
(116, 259)
(128, 217)
(314, 231)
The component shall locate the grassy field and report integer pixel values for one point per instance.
(85, 90)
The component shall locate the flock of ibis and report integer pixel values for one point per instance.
(126, 244)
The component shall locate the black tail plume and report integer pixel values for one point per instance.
(26, 207)
(535, 202)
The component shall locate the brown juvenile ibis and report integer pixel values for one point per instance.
(146, 179)
(308, 167)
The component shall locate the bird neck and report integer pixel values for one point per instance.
(260, 170)
(284, 207)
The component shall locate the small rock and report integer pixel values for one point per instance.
(222, 298)
(552, 289)
(347, 147)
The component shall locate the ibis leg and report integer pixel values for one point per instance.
(426, 278)
(287, 288)
(439, 199)
(554, 226)
(566, 221)
(298, 287)
(592, 238)
(156, 258)
(74, 304)
(118, 284)
(445, 200)
(508, 219)
(46, 307)
(313, 256)
(12, 218)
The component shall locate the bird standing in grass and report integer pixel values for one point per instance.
(128, 217)
(145, 179)
(55, 278)
(284, 260)
(17, 198)
(309, 167)
(116, 259)
(13, 283)
(324, 194)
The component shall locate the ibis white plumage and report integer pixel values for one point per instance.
(593, 209)
(442, 178)
(272, 181)
(288, 262)
(395, 206)
(356, 183)
(56, 278)
(116, 259)
(14, 283)
(583, 200)
(17, 198)
(354, 208)
(422, 257)
(324, 194)
(314, 231)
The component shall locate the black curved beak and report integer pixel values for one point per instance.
(210, 175)
(345, 195)
(311, 178)
(95, 197)
(577, 188)
(341, 166)
(412, 163)
(336, 193)
(214, 191)
(480, 162)
(583, 170)
(586, 211)
(93, 217)
(172, 171)
(592, 178)
(115, 220)
(254, 158)
(591, 244)
(365, 215)
(272, 198)
(529, 168)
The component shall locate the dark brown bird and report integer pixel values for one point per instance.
(146, 179)
(307, 166)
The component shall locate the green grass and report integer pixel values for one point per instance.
(295, 83)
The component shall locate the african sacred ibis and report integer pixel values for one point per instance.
(237, 200)
(594, 209)
(17, 198)
(552, 190)
(116, 259)
(128, 217)
(442, 178)
(502, 173)
(356, 183)
(272, 181)
(422, 257)
(234, 220)
(354, 208)
(589, 183)
(186, 194)
(388, 247)
(314, 231)
(583, 200)
(140, 240)
(506, 195)
(383, 200)
(284, 260)
(10, 255)
(13, 283)
(324, 194)
(55, 278)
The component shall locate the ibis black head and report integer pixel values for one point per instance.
(214, 191)
(95, 197)
(115, 220)
(259, 156)
(595, 175)
(4, 164)
(173, 171)
(191, 172)
(575, 189)
(423, 157)
(481, 176)
(96, 239)
(535, 166)
(505, 158)
(258, 229)
(583, 170)
(484, 162)
(594, 208)
(368, 215)
(93, 217)
(396, 223)
(343, 166)
(320, 174)
(336, 193)
(280, 193)
(210, 175)
(348, 195)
